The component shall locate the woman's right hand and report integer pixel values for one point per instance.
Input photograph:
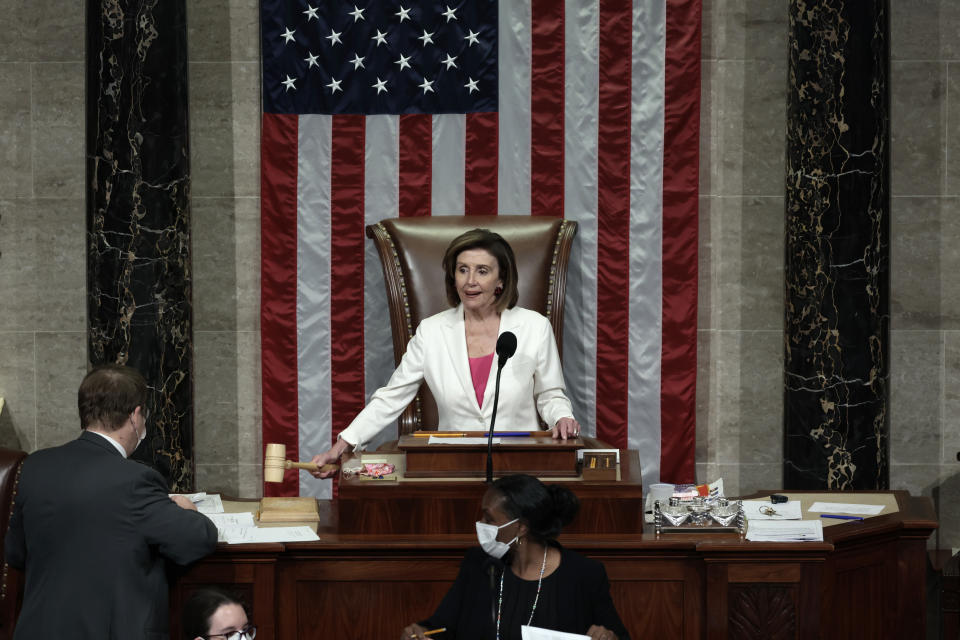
(331, 455)
(414, 631)
(599, 632)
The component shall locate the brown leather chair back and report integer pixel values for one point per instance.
(411, 252)
(12, 580)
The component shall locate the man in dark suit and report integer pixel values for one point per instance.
(92, 529)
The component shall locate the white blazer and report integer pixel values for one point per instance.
(531, 382)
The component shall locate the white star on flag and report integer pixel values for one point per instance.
(471, 85)
(289, 83)
(357, 13)
(335, 85)
(311, 60)
(471, 37)
(287, 35)
(334, 37)
(403, 62)
(425, 38)
(381, 38)
(357, 62)
(449, 14)
(404, 14)
(311, 13)
(379, 85)
(426, 85)
(449, 61)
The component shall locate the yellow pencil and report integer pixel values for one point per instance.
(433, 631)
(438, 434)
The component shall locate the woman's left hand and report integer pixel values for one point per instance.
(566, 428)
(596, 632)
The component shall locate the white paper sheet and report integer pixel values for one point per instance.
(846, 507)
(206, 503)
(536, 633)
(228, 523)
(442, 440)
(242, 519)
(754, 510)
(785, 531)
(248, 535)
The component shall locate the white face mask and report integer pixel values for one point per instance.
(487, 535)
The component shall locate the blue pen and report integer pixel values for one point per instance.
(828, 515)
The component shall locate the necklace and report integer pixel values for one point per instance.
(536, 598)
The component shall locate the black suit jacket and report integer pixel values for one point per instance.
(91, 531)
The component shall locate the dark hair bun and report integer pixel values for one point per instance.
(544, 509)
(565, 504)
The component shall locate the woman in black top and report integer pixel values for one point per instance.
(522, 576)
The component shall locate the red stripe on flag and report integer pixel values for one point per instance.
(346, 269)
(416, 160)
(613, 221)
(278, 297)
(480, 164)
(546, 107)
(678, 368)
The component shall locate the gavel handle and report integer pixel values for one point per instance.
(309, 466)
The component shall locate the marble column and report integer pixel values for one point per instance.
(138, 214)
(836, 359)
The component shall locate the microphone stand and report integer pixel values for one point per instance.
(493, 421)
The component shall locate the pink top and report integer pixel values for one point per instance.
(480, 372)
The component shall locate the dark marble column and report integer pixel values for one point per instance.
(837, 247)
(138, 214)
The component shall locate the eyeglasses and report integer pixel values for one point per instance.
(249, 632)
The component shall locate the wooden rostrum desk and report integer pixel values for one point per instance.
(866, 580)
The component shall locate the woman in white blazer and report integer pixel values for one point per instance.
(454, 351)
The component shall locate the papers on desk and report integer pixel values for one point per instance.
(206, 503)
(846, 507)
(248, 535)
(536, 633)
(785, 530)
(464, 440)
(765, 510)
(239, 528)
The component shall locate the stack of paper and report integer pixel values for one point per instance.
(846, 507)
(785, 531)
(239, 528)
(206, 503)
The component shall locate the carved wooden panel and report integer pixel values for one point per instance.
(763, 611)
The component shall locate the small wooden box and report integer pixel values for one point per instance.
(599, 466)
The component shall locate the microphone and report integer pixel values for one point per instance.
(506, 347)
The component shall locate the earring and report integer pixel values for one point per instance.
(498, 290)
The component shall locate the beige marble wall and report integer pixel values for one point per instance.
(740, 326)
(42, 259)
(224, 50)
(925, 256)
(740, 405)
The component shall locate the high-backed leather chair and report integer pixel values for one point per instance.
(11, 580)
(411, 252)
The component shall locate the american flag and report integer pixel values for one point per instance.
(583, 108)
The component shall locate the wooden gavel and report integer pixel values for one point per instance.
(275, 462)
